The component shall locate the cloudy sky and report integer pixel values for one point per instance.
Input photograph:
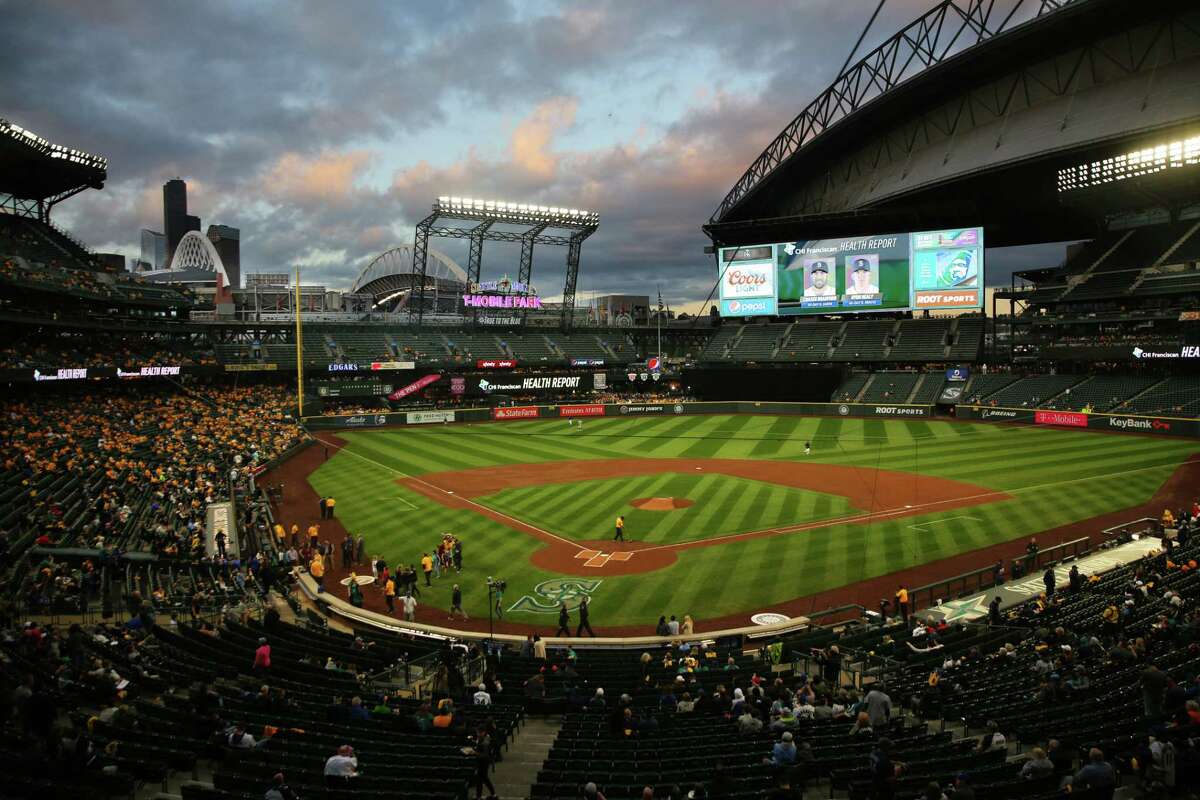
(324, 130)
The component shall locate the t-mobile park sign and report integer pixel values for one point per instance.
(501, 301)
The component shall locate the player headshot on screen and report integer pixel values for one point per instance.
(860, 278)
(818, 281)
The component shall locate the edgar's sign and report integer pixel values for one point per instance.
(548, 595)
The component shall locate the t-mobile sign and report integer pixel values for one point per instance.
(1068, 418)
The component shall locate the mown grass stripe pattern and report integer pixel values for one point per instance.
(1056, 477)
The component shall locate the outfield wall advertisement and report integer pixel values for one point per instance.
(1129, 423)
(888, 272)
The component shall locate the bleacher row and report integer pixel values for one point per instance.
(1121, 394)
(453, 347)
(958, 339)
(1145, 262)
(34, 255)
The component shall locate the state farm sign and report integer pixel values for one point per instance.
(1067, 418)
(515, 412)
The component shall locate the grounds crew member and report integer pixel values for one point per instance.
(317, 570)
(620, 535)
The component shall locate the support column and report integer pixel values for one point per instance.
(525, 269)
(421, 264)
(574, 249)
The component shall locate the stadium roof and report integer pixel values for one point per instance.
(32, 168)
(975, 136)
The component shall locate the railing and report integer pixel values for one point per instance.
(933, 594)
(1143, 526)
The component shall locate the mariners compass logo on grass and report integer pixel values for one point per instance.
(550, 594)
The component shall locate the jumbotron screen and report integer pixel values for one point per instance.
(890, 272)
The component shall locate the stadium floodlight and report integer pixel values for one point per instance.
(520, 213)
(1138, 163)
(49, 149)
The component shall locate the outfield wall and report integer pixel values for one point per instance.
(583, 410)
(1126, 423)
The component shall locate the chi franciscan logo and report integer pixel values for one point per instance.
(548, 595)
(484, 385)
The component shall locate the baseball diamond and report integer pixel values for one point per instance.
(768, 527)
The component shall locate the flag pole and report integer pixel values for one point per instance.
(299, 350)
(660, 314)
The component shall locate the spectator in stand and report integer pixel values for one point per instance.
(279, 789)
(262, 656)
(878, 706)
(1038, 765)
(783, 754)
(1095, 774)
(341, 768)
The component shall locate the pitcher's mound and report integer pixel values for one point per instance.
(660, 503)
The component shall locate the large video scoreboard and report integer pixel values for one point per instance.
(891, 272)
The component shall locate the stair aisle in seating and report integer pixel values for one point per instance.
(515, 776)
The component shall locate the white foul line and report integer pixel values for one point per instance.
(395, 471)
(903, 510)
(940, 521)
(907, 510)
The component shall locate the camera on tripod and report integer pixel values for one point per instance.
(498, 584)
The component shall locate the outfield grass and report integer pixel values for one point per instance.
(1055, 476)
(723, 505)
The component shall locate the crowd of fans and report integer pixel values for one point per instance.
(117, 469)
(30, 347)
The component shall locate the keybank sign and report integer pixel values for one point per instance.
(1132, 424)
(1185, 351)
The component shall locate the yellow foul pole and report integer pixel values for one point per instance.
(299, 349)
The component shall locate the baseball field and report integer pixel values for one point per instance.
(725, 516)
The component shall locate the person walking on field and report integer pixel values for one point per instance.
(583, 619)
(410, 607)
(329, 504)
(321, 507)
(456, 602)
(808, 448)
(427, 567)
(564, 621)
(620, 535)
(389, 595)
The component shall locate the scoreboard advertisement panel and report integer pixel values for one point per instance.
(890, 272)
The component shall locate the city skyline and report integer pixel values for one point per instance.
(325, 136)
